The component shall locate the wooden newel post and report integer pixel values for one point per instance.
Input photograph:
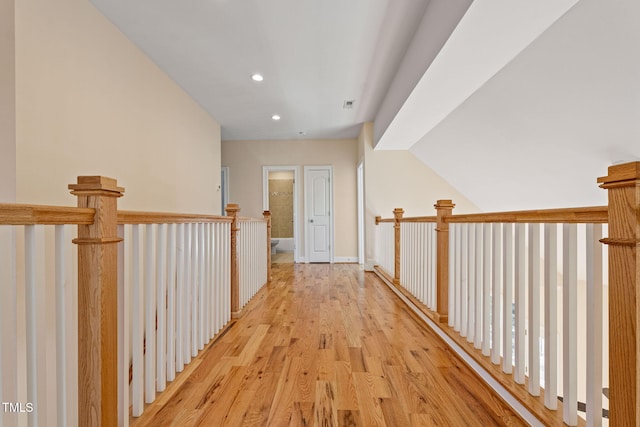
(444, 208)
(267, 217)
(623, 185)
(98, 302)
(232, 211)
(397, 215)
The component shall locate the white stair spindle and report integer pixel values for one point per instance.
(194, 285)
(452, 274)
(496, 294)
(534, 309)
(61, 322)
(137, 325)
(201, 287)
(520, 293)
(464, 284)
(124, 328)
(594, 325)
(180, 296)
(507, 306)
(550, 316)
(150, 317)
(486, 290)
(477, 342)
(471, 281)
(569, 324)
(171, 304)
(161, 308)
(31, 321)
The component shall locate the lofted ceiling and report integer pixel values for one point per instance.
(314, 55)
(517, 103)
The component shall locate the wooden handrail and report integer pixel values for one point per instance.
(432, 218)
(248, 218)
(594, 214)
(21, 214)
(584, 215)
(140, 217)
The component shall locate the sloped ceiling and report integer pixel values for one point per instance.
(539, 132)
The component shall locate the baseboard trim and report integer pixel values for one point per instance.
(345, 259)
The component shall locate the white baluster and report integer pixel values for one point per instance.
(8, 320)
(181, 252)
(534, 309)
(486, 290)
(124, 327)
(520, 304)
(201, 287)
(61, 323)
(569, 323)
(496, 295)
(137, 325)
(31, 321)
(594, 325)
(150, 317)
(161, 308)
(194, 285)
(477, 342)
(464, 285)
(171, 304)
(471, 280)
(507, 307)
(452, 274)
(550, 316)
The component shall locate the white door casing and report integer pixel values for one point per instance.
(265, 201)
(318, 213)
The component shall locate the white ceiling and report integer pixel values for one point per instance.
(314, 55)
(517, 103)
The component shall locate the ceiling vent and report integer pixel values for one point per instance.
(348, 104)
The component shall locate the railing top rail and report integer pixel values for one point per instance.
(140, 217)
(247, 219)
(592, 214)
(385, 220)
(419, 219)
(22, 214)
(583, 215)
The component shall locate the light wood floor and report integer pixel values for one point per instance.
(327, 345)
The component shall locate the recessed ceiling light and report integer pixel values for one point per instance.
(257, 77)
(275, 117)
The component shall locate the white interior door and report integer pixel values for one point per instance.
(318, 202)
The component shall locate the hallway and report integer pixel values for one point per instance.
(327, 345)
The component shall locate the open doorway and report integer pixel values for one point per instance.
(280, 197)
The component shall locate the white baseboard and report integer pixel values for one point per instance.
(345, 259)
(368, 266)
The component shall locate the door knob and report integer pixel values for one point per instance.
(311, 221)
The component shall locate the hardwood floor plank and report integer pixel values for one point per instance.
(327, 345)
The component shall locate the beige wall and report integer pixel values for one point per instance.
(89, 102)
(246, 158)
(7, 103)
(397, 179)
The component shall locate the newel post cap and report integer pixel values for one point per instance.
(96, 183)
(232, 208)
(398, 212)
(444, 204)
(620, 173)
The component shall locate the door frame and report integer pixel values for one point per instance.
(296, 189)
(224, 189)
(307, 205)
(360, 192)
